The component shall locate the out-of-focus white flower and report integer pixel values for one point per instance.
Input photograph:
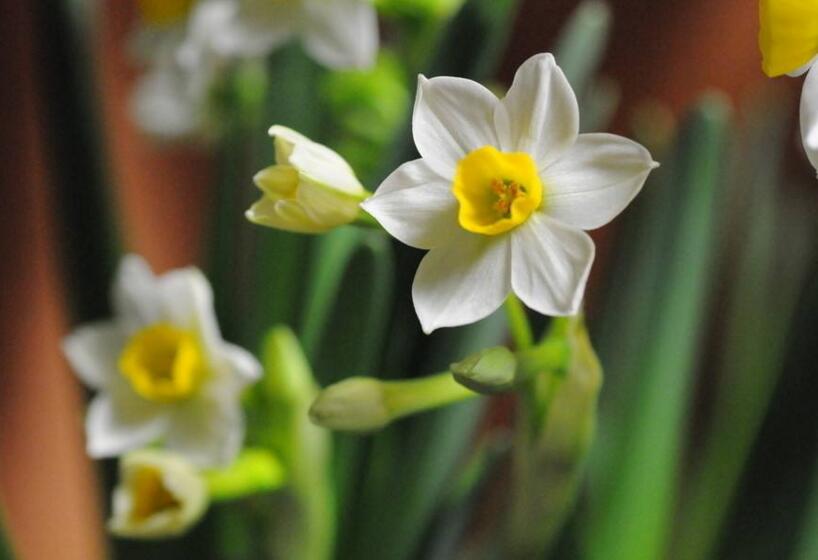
(159, 495)
(171, 99)
(337, 33)
(168, 102)
(311, 188)
(162, 370)
(788, 39)
(502, 193)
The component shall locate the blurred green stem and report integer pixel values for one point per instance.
(518, 324)
(555, 427)
(416, 395)
(303, 527)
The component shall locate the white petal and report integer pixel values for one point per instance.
(550, 263)
(209, 430)
(135, 296)
(809, 116)
(241, 363)
(316, 161)
(415, 205)
(539, 115)
(242, 29)
(463, 282)
(595, 180)
(117, 423)
(187, 302)
(93, 351)
(341, 33)
(452, 117)
(162, 104)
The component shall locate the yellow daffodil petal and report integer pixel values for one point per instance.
(789, 34)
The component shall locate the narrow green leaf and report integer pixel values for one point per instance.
(634, 503)
(347, 302)
(581, 44)
(411, 463)
(761, 309)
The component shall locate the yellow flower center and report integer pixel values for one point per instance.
(497, 191)
(149, 494)
(789, 34)
(164, 12)
(163, 363)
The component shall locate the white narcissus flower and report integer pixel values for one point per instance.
(788, 39)
(159, 495)
(336, 33)
(311, 189)
(172, 99)
(162, 370)
(502, 194)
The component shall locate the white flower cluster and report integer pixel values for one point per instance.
(186, 45)
(163, 376)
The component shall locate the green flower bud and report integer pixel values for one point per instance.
(356, 404)
(492, 370)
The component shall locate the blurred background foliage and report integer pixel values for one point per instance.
(702, 307)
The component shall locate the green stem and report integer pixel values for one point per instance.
(416, 395)
(518, 323)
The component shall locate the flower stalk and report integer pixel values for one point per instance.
(518, 324)
(361, 404)
(555, 427)
(302, 526)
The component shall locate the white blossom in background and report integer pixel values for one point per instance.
(171, 99)
(310, 189)
(159, 495)
(162, 370)
(336, 33)
(502, 194)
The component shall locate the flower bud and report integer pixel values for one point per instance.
(356, 404)
(492, 370)
(159, 495)
(311, 189)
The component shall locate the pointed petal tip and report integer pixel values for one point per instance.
(655, 165)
